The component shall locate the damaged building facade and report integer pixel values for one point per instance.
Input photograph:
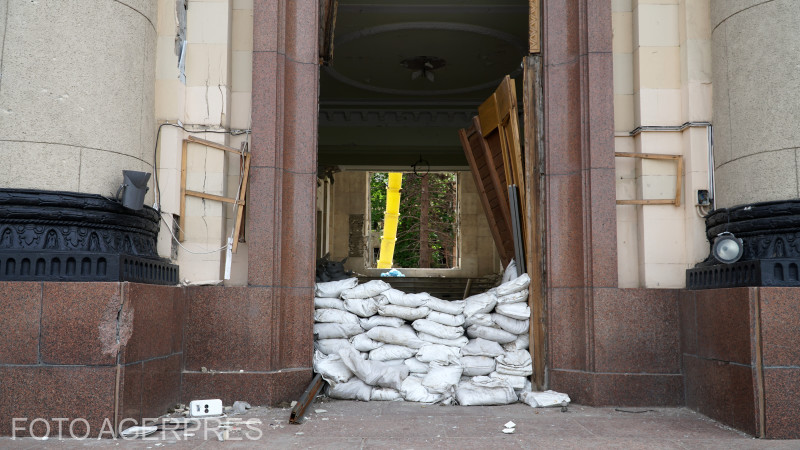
(649, 123)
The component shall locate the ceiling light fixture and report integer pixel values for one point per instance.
(423, 66)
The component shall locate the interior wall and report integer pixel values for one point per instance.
(478, 255)
(662, 77)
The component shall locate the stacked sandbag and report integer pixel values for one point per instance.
(377, 343)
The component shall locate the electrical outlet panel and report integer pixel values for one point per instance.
(205, 408)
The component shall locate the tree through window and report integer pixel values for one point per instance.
(428, 227)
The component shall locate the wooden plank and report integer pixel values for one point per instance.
(215, 145)
(487, 114)
(533, 109)
(646, 155)
(659, 201)
(182, 217)
(516, 225)
(481, 187)
(218, 198)
(237, 228)
(679, 182)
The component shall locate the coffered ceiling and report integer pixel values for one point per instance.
(407, 74)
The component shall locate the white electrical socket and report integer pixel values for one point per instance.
(203, 408)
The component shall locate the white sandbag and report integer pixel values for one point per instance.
(460, 342)
(416, 366)
(521, 343)
(413, 391)
(331, 346)
(403, 312)
(477, 365)
(490, 334)
(440, 353)
(385, 394)
(389, 352)
(367, 290)
(353, 389)
(446, 319)
(515, 285)
(485, 391)
(404, 335)
(519, 311)
(336, 330)
(481, 319)
(454, 307)
(363, 343)
(333, 289)
(511, 272)
(441, 378)
(362, 307)
(381, 321)
(517, 363)
(513, 326)
(544, 399)
(515, 381)
(437, 329)
(482, 347)
(331, 367)
(400, 298)
(329, 315)
(374, 373)
(332, 303)
(395, 362)
(481, 303)
(514, 297)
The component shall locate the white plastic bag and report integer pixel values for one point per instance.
(480, 303)
(416, 366)
(385, 394)
(437, 329)
(400, 298)
(544, 399)
(331, 346)
(381, 321)
(521, 343)
(403, 312)
(446, 319)
(485, 391)
(482, 347)
(515, 381)
(517, 363)
(404, 335)
(477, 365)
(374, 373)
(333, 289)
(454, 307)
(441, 378)
(362, 307)
(331, 367)
(482, 319)
(413, 391)
(367, 290)
(513, 326)
(460, 342)
(336, 330)
(511, 272)
(363, 343)
(490, 334)
(329, 315)
(519, 311)
(515, 285)
(514, 297)
(437, 352)
(353, 389)
(390, 352)
(324, 302)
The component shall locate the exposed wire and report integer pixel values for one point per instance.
(175, 238)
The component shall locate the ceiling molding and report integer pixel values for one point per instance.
(439, 118)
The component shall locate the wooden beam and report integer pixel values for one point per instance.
(217, 198)
(215, 145)
(237, 228)
(659, 201)
(182, 217)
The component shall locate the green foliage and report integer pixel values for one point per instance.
(441, 224)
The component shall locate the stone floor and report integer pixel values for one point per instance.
(399, 425)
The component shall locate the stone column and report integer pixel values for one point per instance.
(755, 49)
(76, 93)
